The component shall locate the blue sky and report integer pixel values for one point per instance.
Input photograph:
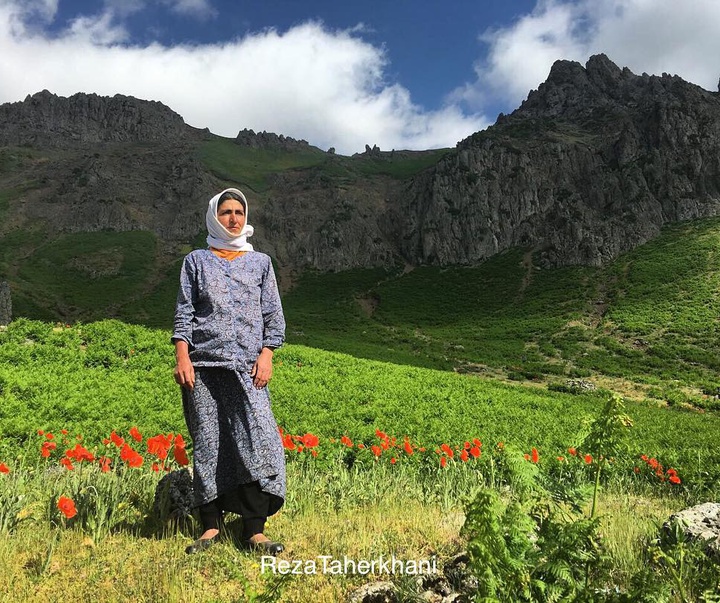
(396, 73)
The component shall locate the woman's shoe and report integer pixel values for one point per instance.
(202, 544)
(268, 547)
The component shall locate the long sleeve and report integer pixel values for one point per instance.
(273, 318)
(185, 305)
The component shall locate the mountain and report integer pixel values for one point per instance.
(592, 164)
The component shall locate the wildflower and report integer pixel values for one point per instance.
(80, 453)
(561, 458)
(526, 456)
(49, 436)
(155, 467)
(381, 434)
(464, 456)
(466, 445)
(674, 479)
(636, 469)
(64, 431)
(310, 440)
(130, 456)
(377, 450)
(535, 456)
(477, 442)
(116, 439)
(393, 460)
(346, 441)
(588, 459)
(180, 441)
(135, 434)
(361, 445)
(447, 450)
(385, 444)
(160, 445)
(67, 507)
(104, 463)
(501, 445)
(288, 443)
(407, 447)
(4, 468)
(443, 461)
(181, 456)
(314, 452)
(40, 432)
(47, 448)
(475, 452)
(572, 451)
(67, 463)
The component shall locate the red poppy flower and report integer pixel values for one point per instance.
(64, 431)
(636, 469)
(179, 441)
(443, 461)
(314, 452)
(447, 450)
(561, 458)
(674, 479)
(572, 451)
(535, 456)
(67, 507)
(466, 445)
(407, 447)
(288, 443)
(588, 459)
(477, 442)
(155, 467)
(346, 441)
(4, 468)
(49, 436)
(393, 460)
(361, 445)
(377, 450)
(501, 445)
(310, 440)
(464, 456)
(381, 434)
(116, 439)
(67, 463)
(526, 456)
(104, 464)
(475, 452)
(181, 456)
(135, 434)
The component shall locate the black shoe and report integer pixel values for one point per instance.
(268, 547)
(202, 544)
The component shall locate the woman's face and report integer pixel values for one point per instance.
(231, 214)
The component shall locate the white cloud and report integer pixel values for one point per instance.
(652, 36)
(199, 9)
(325, 86)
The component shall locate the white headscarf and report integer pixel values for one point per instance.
(219, 236)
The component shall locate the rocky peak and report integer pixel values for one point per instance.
(269, 140)
(50, 120)
(573, 91)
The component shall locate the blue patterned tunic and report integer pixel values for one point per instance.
(227, 311)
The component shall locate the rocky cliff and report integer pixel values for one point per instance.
(45, 119)
(5, 303)
(592, 164)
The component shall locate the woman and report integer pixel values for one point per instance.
(228, 322)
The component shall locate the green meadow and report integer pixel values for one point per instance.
(412, 368)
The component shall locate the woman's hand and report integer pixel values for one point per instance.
(262, 369)
(184, 371)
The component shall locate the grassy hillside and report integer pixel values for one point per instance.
(645, 325)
